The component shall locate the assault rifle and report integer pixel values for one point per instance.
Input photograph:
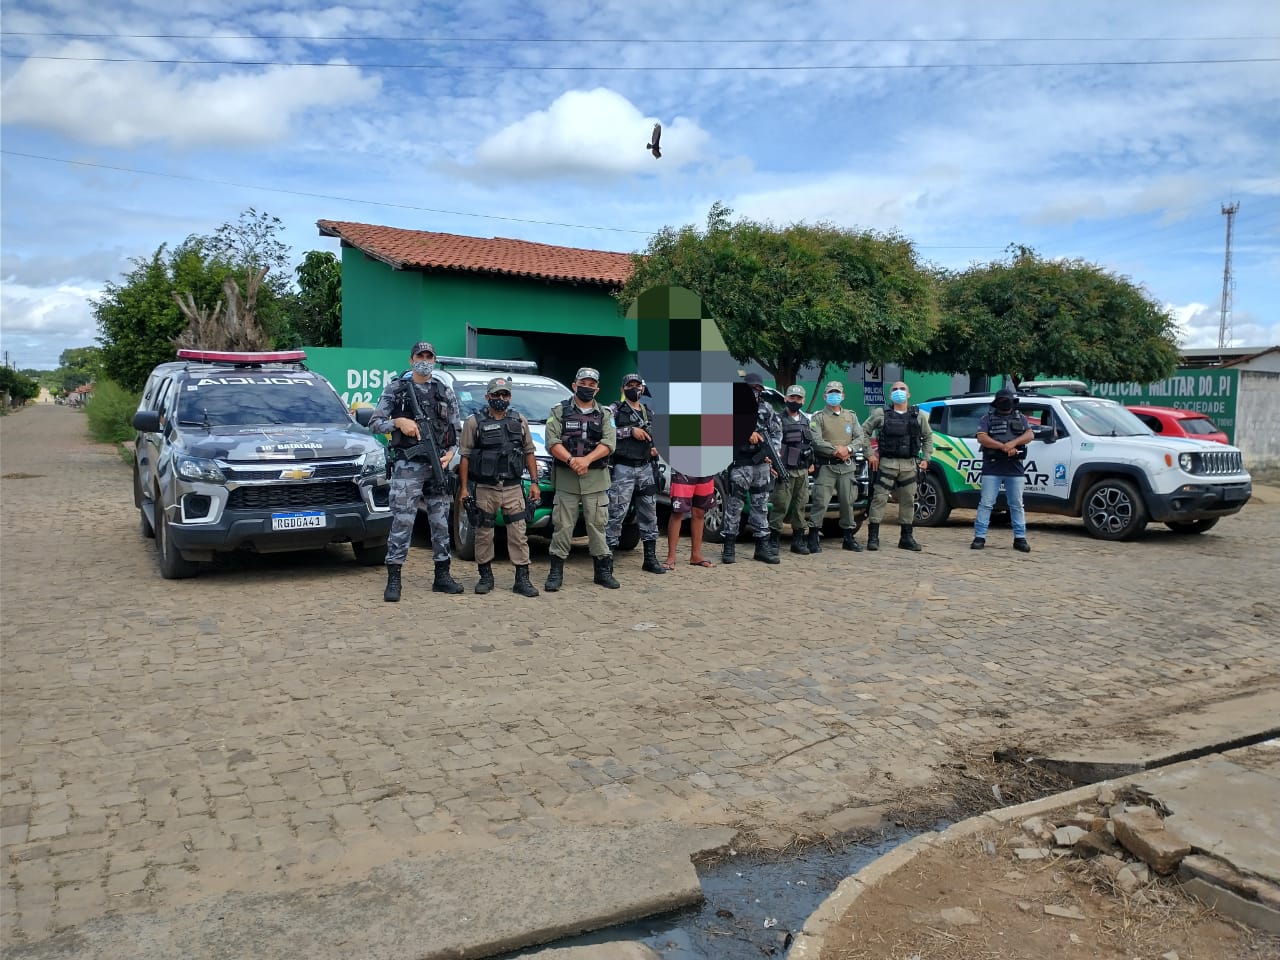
(426, 445)
(771, 452)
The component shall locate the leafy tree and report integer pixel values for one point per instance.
(18, 386)
(786, 297)
(1029, 316)
(76, 367)
(319, 303)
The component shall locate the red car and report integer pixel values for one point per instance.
(1175, 422)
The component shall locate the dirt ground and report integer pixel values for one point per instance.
(913, 915)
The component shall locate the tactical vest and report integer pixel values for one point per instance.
(797, 444)
(435, 408)
(498, 454)
(754, 452)
(629, 450)
(900, 434)
(1003, 427)
(582, 432)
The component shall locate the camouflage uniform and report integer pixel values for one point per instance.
(632, 473)
(896, 473)
(831, 429)
(756, 478)
(412, 481)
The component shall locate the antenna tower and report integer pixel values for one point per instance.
(1228, 284)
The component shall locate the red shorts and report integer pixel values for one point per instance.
(689, 492)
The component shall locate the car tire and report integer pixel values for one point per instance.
(1113, 510)
(369, 553)
(144, 523)
(629, 536)
(713, 517)
(464, 535)
(932, 506)
(1192, 526)
(173, 565)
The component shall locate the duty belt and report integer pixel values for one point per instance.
(631, 462)
(832, 461)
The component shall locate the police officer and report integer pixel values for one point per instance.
(581, 436)
(1003, 435)
(837, 438)
(791, 495)
(496, 450)
(750, 473)
(413, 398)
(633, 471)
(906, 444)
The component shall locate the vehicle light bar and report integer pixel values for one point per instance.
(479, 363)
(229, 356)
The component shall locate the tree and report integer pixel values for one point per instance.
(319, 303)
(786, 297)
(18, 387)
(1029, 316)
(76, 367)
(138, 318)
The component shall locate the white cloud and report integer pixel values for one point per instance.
(127, 104)
(588, 132)
(1199, 324)
(41, 322)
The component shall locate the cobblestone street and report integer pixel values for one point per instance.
(273, 725)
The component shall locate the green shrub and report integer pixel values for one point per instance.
(110, 411)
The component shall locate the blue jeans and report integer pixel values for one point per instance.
(1012, 495)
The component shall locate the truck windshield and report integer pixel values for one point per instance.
(1104, 418)
(534, 400)
(258, 398)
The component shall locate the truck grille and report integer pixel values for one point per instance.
(322, 471)
(1219, 462)
(291, 495)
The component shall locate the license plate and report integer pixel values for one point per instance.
(297, 521)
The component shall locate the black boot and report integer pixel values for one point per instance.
(729, 551)
(651, 563)
(906, 540)
(604, 572)
(775, 544)
(392, 593)
(764, 550)
(815, 540)
(555, 576)
(798, 544)
(851, 541)
(873, 536)
(444, 583)
(524, 586)
(485, 583)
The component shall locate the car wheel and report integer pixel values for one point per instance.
(1113, 510)
(932, 506)
(464, 534)
(369, 553)
(144, 523)
(173, 565)
(1192, 526)
(629, 536)
(713, 518)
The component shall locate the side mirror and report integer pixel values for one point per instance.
(364, 415)
(1046, 434)
(147, 421)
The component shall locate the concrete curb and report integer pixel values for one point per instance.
(810, 941)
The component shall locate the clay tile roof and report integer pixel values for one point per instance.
(424, 250)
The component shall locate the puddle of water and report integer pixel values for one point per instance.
(743, 894)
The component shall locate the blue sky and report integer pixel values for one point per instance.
(964, 126)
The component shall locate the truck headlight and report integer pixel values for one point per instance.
(198, 468)
(1187, 461)
(373, 463)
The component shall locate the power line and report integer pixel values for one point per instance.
(651, 69)
(324, 196)
(623, 40)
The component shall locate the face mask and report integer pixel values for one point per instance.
(898, 396)
(423, 368)
(833, 399)
(1004, 406)
(794, 405)
(585, 394)
(632, 393)
(499, 403)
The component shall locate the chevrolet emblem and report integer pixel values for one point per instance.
(297, 473)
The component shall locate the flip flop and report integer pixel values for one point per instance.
(701, 563)
(668, 566)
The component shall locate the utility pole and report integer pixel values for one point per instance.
(1228, 285)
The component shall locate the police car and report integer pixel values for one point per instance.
(1091, 458)
(252, 451)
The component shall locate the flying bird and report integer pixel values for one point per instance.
(656, 136)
